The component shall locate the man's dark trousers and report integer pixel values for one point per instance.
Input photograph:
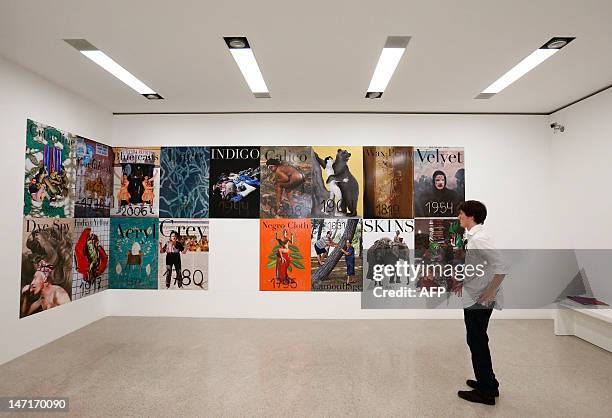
(476, 319)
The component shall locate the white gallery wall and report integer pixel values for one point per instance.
(26, 95)
(507, 163)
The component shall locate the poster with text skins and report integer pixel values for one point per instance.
(439, 181)
(337, 182)
(50, 169)
(91, 240)
(234, 182)
(136, 182)
(336, 253)
(284, 255)
(286, 182)
(46, 264)
(94, 179)
(388, 177)
(438, 242)
(134, 253)
(385, 243)
(184, 182)
(183, 254)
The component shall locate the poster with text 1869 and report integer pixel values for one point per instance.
(184, 182)
(337, 182)
(439, 182)
(136, 182)
(46, 264)
(50, 166)
(388, 177)
(94, 179)
(133, 256)
(336, 253)
(286, 179)
(183, 254)
(234, 182)
(91, 256)
(284, 255)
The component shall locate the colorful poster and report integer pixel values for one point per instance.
(387, 242)
(284, 255)
(438, 242)
(286, 182)
(136, 182)
(337, 182)
(183, 254)
(336, 248)
(50, 167)
(94, 179)
(133, 256)
(46, 264)
(439, 182)
(388, 180)
(91, 255)
(234, 182)
(184, 182)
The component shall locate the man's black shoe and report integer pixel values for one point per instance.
(476, 397)
(474, 385)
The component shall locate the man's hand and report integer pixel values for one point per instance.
(458, 289)
(487, 296)
(25, 289)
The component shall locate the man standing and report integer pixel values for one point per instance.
(480, 293)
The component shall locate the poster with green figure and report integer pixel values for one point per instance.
(50, 170)
(133, 256)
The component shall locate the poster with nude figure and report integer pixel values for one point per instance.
(50, 168)
(136, 182)
(337, 182)
(91, 256)
(439, 182)
(286, 175)
(388, 180)
(336, 255)
(94, 179)
(284, 254)
(46, 264)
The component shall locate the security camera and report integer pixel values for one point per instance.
(557, 127)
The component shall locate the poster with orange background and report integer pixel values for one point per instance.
(284, 254)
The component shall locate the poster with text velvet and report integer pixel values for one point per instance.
(94, 179)
(286, 182)
(136, 182)
(46, 264)
(388, 182)
(385, 242)
(183, 254)
(336, 248)
(91, 240)
(234, 182)
(184, 182)
(439, 181)
(337, 182)
(50, 167)
(133, 257)
(284, 255)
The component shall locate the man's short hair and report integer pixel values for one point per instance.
(475, 209)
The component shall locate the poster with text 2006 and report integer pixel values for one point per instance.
(136, 182)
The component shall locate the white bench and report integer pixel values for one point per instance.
(592, 324)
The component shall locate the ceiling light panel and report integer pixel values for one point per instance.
(389, 59)
(242, 53)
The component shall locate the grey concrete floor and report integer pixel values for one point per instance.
(175, 367)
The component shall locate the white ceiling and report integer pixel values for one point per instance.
(315, 55)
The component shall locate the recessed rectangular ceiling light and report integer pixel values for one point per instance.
(241, 50)
(527, 64)
(392, 53)
(106, 62)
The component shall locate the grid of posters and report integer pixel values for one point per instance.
(136, 182)
(183, 254)
(184, 182)
(91, 256)
(94, 179)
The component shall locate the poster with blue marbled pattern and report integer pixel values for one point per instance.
(184, 182)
